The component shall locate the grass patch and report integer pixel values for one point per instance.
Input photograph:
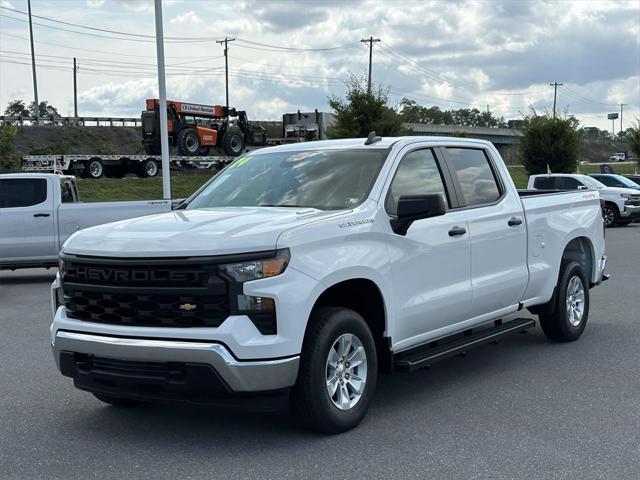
(134, 188)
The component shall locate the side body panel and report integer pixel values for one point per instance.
(552, 222)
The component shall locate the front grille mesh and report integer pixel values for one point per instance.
(133, 309)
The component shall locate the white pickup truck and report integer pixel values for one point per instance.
(621, 205)
(38, 212)
(304, 270)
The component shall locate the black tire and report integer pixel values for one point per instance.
(93, 169)
(610, 214)
(233, 141)
(188, 142)
(148, 168)
(117, 401)
(310, 400)
(555, 318)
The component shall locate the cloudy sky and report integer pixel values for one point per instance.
(291, 55)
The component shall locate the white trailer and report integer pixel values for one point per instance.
(117, 166)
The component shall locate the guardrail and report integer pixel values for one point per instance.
(82, 121)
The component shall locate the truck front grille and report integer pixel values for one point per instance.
(159, 310)
(634, 200)
(145, 292)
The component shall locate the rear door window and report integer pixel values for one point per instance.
(476, 176)
(22, 192)
(569, 183)
(544, 183)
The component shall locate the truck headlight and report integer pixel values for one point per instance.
(257, 269)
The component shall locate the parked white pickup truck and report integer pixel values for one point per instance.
(621, 205)
(306, 269)
(38, 212)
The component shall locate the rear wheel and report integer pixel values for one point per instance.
(117, 401)
(565, 318)
(148, 168)
(338, 371)
(93, 169)
(610, 215)
(188, 142)
(233, 141)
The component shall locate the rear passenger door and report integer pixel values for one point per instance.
(497, 230)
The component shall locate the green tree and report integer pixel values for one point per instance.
(44, 110)
(550, 141)
(412, 112)
(9, 160)
(360, 113)
(16, 108)
(632, 137)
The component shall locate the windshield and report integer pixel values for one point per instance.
(626, 181)
(592, 182)
(323, 179)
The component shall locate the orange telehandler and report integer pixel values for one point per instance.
(195, 129)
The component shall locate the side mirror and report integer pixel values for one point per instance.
(416, 207)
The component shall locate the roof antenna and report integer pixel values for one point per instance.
(372, 138)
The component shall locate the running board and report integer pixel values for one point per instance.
(424, 356)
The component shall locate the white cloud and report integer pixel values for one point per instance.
(187, 18)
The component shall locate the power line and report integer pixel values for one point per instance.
(297, 49)
(104, 52)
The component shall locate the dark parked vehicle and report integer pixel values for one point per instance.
(613, 180)
(634, 178)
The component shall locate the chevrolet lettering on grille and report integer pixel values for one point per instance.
(122, 275)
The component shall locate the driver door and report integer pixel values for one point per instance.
(431, 264)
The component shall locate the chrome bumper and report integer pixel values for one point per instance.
(630, 211)
(240, 376)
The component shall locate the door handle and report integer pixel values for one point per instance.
(457, 231)
(514, 221)
(41, 215)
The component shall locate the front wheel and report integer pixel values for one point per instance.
(565, 318)
(610, 215)
(338, 371)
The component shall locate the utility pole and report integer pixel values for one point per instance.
(162, 105)
(75, 89)
(370, 41)
(33, 67)
(622, 105)
(226, 69)
(555, 86)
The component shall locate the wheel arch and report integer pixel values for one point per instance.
(364, 296)
(580, 249)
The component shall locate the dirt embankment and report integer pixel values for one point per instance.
(67, 140)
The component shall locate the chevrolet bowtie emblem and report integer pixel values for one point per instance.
(187, 307)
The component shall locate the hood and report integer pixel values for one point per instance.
(620, 191)
(200, 232)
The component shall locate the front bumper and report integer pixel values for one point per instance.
(235, 376)
(630, 212)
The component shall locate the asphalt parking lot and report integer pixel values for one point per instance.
(524, 408)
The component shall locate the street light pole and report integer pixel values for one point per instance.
(162, 106)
